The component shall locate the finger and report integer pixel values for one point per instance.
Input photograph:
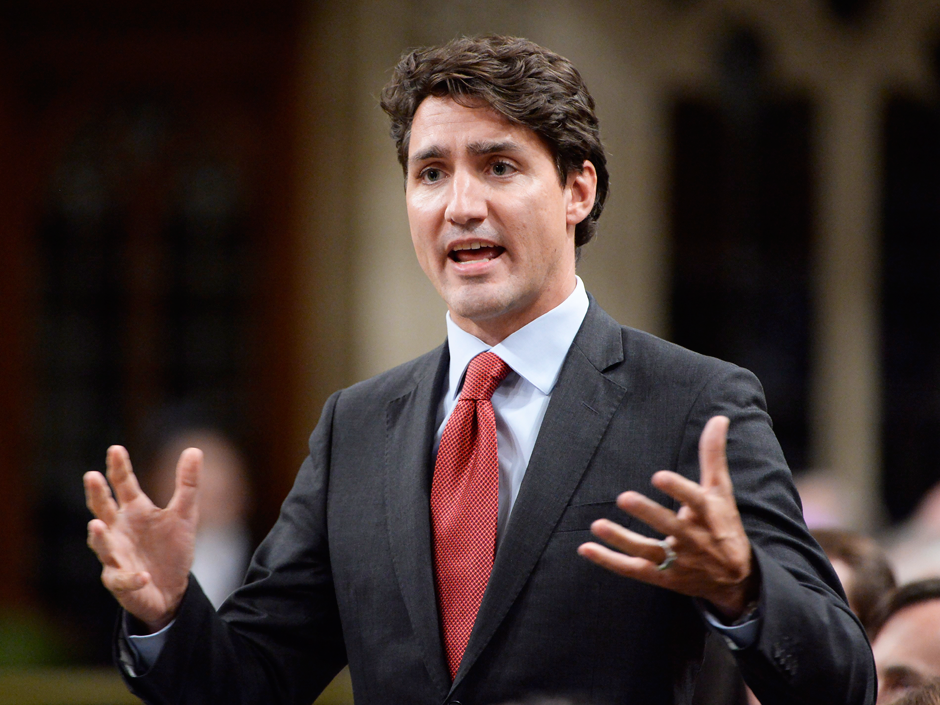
(682, 489)
(622, 564)
(712, 454)
(98, 497)
(649, 512)
(122, 581)
(626, 541)
(121, 475)
(99, 541)
(184, 497)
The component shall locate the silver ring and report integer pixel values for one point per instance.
(670, 555)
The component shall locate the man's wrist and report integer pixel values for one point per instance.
(135, 626)
(741, 602)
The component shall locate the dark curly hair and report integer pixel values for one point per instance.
(527, 84)
(872, 577)
(906, 595)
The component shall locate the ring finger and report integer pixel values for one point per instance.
(628, 541)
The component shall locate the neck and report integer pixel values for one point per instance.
(495, 329)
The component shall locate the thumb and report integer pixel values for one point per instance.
(187, 484)
(712, 455)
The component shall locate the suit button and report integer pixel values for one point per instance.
(454, 702)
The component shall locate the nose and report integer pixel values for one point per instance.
(467, 202)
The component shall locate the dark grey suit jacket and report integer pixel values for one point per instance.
(346, 573)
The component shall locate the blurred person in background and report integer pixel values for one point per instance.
(924, 695)
(914, 546)
(863, 568)
(223, 537)
(906, 639)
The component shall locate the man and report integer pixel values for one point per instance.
(863, 568)
(907, 639)
(922, 695)
(399, 552)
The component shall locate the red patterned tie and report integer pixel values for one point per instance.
(464, 504)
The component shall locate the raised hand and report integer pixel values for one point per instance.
(711, 553)
(145, 552)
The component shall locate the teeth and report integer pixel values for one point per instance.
(470, 246)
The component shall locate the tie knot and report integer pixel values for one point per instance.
(484, 374)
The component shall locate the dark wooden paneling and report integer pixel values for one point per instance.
(225, 77)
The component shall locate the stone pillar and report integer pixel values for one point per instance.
(846, 393)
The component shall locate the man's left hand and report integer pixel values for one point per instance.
(713, 558)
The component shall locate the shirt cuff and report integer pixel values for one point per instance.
(146, 648)
(741, 634)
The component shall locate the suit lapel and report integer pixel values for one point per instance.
(410, 430)
(582, 404)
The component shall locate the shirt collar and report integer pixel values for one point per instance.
(536, 351)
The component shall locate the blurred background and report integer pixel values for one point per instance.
(202, 229)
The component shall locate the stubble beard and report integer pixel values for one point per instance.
(479, 302)
(488, 306)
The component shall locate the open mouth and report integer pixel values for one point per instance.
(475, 252)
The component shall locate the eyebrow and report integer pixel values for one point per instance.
(903, 675)
(474, 148)
(482, 148)
(429, 153)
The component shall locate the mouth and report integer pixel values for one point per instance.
(476, 251)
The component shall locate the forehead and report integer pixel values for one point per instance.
(911, 637)
(443, 124)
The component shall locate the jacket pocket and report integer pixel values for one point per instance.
(579, 517)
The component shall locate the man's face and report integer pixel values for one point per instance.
(907, 650)
(491, 223)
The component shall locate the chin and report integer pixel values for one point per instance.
(475, 304)
(478, 311)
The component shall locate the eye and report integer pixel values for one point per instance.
(431, 175)
(502, 168)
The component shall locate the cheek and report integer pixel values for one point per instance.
(425, 252)
(423, 217)
(553, 219)
(419, 229)
(421, 246)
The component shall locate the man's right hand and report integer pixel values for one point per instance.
(145, 552)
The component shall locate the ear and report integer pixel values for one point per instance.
(580, 189)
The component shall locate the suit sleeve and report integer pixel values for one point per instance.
(810, 648)
(278, 638)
